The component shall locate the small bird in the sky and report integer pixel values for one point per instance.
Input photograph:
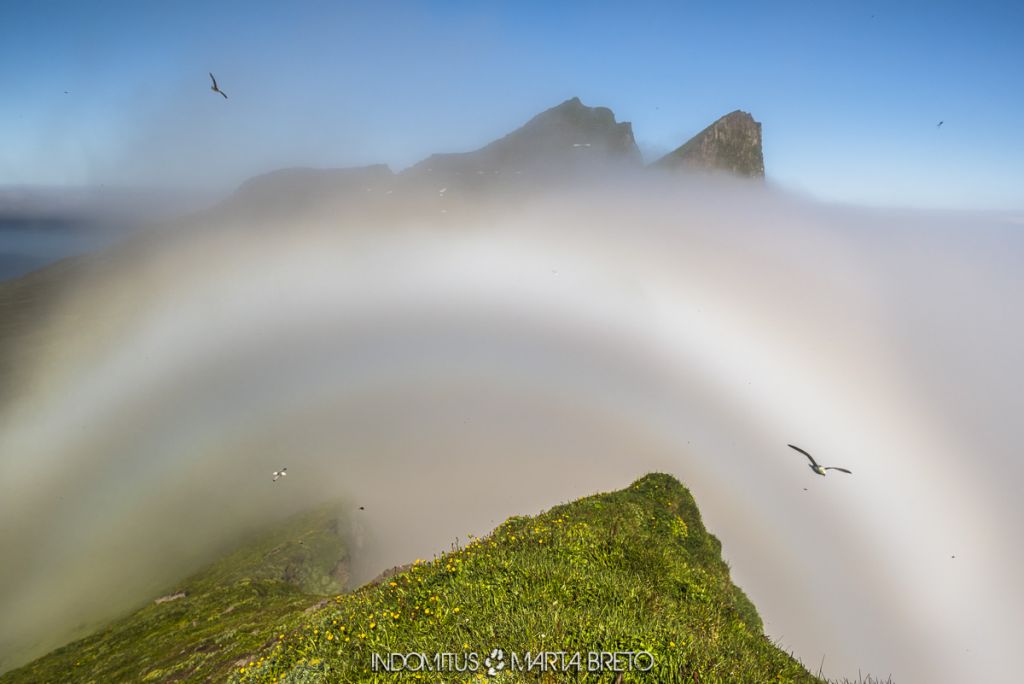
(215, 88)
(362, 508)
(278, 474)
(939, 125)
(814, 464)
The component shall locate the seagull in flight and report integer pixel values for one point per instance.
(278, 474)
(814, 464)
(215, 88)
(939, 125)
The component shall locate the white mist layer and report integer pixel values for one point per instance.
(447, 376)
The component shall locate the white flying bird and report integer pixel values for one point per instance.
(814, 464)
(278, 474)
(215, 88)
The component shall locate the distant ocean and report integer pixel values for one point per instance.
(41, 224)
(28, 244)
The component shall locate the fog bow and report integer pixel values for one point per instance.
(449, 370)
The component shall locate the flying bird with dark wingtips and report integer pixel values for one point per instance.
(215, 88)
(820, 470)
(278, 474)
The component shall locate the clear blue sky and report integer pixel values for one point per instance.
(849, 93)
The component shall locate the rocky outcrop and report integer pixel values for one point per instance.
(731, 144)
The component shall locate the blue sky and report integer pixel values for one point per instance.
(849, 94)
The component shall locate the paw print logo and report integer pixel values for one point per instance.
(495, 662)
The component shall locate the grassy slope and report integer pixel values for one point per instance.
(229, 610)
(625, 571)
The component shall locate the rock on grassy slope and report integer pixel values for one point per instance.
(632, 570)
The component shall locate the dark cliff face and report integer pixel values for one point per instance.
(566, 137)
(732, 144)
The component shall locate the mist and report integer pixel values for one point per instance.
(447, 370)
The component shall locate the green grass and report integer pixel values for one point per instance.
(228, 611)
(632, 570)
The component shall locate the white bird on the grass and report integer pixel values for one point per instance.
(820, 470)
(278, 474)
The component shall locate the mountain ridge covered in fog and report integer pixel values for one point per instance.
(561, 144)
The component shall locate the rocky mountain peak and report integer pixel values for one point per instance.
(567, 135)
(732, 144)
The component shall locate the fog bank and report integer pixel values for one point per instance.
(446, 370)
